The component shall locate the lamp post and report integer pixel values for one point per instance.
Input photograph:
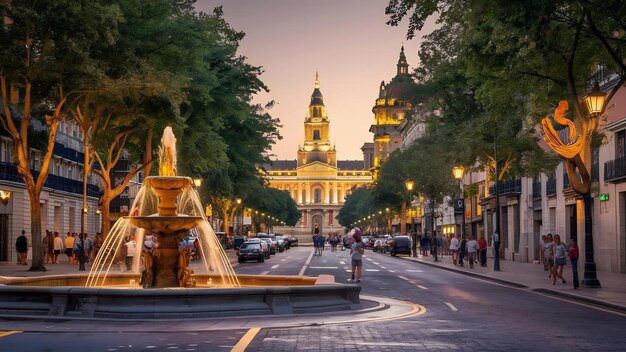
(496, 233)
(577, 153)
(460, 202)
(238, 201)
(197, 181)
(408, 184)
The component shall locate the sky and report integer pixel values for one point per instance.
(346, 41)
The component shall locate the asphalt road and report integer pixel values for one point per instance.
(463, 314)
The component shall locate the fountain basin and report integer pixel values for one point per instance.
(280, 295)
(165, 224)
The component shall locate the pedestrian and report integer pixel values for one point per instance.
(424, 244)
(471, 248)
(356, 251)
(131, 245)
(321, 243)
(58, 247)
(414, 243)
(548, 254)
(482, 250)
(48, 247)
(316, 250)
(69, 247)
(445, 249)
(434, 245)
(542, 256)
(98, 243)
(560, 253)
(21, 247)
(454, 249)
(79, 251)
(462, 252)
(573, 257)
(88, 248)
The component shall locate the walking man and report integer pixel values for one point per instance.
(356, 251)
(435, 245)
(482, 250)
(21, 247)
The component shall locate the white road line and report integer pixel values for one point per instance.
(349, 270)
(306, 264)
(404, 278)
(345, 267)
(282, 260)
(342, 262)
(422, 287)
(414, 271)
(275, 266)
(382, 267)
(323, 267)
(265, 272)
(391, 271)
(372, 270)
(376, 263)
(454, 309)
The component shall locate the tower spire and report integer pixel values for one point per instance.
(403, 66)
(317, 79)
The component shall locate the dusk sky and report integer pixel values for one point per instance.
(346, 41)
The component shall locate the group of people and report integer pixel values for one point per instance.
(554, 257)
(79, 249)
(461, 247)
(318, 242)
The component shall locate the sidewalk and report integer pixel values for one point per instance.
(612, 295)
(12, 269)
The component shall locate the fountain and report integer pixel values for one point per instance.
(158, 280)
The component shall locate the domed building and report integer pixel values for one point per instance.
(316, 180)
(390, 111)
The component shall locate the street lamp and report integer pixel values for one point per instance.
(457, 171)
(408, 184)
(576, 151)
(197, 181)
(238, 201)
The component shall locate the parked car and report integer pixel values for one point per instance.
(387, 244)
(238, 240)
(251, 251)
(223, 238)
(281, 243)
(400, 245)
(378, 245)
(293, 241)
(271, 244)
(264, 246)
(368, 242)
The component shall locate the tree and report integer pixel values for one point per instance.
(51, 46)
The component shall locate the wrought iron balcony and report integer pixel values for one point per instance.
(615, 170)
(506, 187)
(8, 172)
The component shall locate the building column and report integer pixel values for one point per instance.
(299, 191)
(335, 193)
(327, 192)
(307, 195)
(330, 218)
(304, 216)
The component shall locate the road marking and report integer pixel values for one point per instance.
(265, 272)
(372, 270)
(414, 271)
(342, 262)
(275, 266)
(7, 333)
(376, 263)
(282, 260)
(308, 261)
(454, 309)
(391, 271)
(404, 278)
(245, 340)
(349, 270)
(422, 287)
(382, 267)
(323, 267)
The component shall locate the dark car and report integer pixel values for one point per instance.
(251, 251)
(271, 244)
(238, 240)
(400, 245)
(283, 241)
(293, 241)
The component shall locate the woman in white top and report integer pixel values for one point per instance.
(454, 248)
(560, 253)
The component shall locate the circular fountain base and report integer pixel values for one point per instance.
(280, 295)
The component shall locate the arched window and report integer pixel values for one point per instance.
(316, 135)
(317, 196)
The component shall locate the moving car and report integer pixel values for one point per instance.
(400, 245)
(251, 251)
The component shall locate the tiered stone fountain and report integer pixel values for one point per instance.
(167, 207)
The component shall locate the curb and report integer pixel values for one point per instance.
(573, 297)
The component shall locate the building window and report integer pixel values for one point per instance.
(620, 145)
(316, 135)
(317, 196)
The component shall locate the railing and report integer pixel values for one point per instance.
(551, 187)
(512, 186)
(615, 170)
(8, 172)
(71, 154)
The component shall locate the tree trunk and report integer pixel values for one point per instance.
(35, 231)
(147, 157)
(106, 215)
(226, 221)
